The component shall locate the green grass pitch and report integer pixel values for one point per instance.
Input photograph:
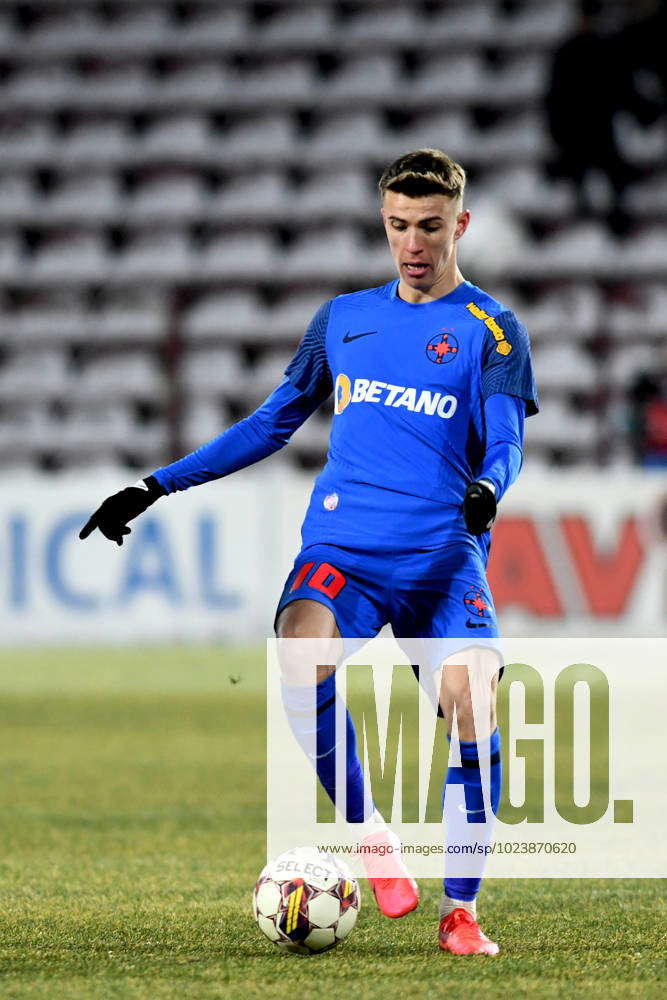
(132, 831)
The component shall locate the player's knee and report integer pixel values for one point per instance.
(309, 644)
(468, 692)
(306, 620)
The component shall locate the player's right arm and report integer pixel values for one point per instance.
(306, 385)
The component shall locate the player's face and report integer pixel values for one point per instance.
(422, 234)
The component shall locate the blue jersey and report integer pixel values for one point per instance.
(410, 384)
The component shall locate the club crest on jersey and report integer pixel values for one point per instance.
(476, 604)
(442, 348)
(364, 390)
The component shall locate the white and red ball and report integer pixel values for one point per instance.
(306, 901)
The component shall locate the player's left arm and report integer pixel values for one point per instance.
(508, 389)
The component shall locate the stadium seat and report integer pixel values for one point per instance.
(572, 312)
(649, 196)
(70, 256)
(518, 138)
(16, 197)
(296, 28)
(266, 375)
(64, 32)
(522, 79)
(628, 361)
(251, 137)
(290, 316)
(34, 376)
(458, 77)
(273, 84)
(173, 135)
(84, 195)
(559, 427)
(338, 193)
(227, 316)
(138, 317)
(364, 79)
(644, 315)
(216, 373)
(49, 324)
(522, 188)
(104, 142)
(132, 376)
(373, 27)
(27, 142)
(212, 28)
(195, 84)
(155, 254)
(362, 136)
(538, 24)
(471, 24)
(123, 87)
(579, 246)
(324, 253)
(166, 196)
(40, 87)
(565, 367)
(202, 422)
(233, 255)
(261, 196)
(450, 129)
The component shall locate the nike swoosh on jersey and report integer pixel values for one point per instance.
(470, 624)
(348, 338)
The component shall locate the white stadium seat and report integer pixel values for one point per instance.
(135, 376)
(234, 255)
(34, 375)
(166, 195)
(297, 27)
(83, 195)
(71, 256)
(203, 421)
(363, 78)
(213, 373)
(273, 84)
(225, 316)
(564, 366)
(458, 77)
(105, 142)
(155, 254)
(261, 195)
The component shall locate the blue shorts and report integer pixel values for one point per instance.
(435, 594)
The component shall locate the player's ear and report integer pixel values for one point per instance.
(462, 222)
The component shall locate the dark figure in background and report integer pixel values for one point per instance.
(590, 80)
(648, 416)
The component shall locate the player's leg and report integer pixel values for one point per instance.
(471, 793)
(324, 602)
(310, 634)
(444, 599)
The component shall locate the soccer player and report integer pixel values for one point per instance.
(432, 380)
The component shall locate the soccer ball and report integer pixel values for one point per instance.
(306, 901)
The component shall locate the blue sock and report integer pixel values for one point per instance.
(458, 824)
(321, 743)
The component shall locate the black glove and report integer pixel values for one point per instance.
(111, 517)
(479, 508)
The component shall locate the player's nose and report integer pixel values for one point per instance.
(412, 244)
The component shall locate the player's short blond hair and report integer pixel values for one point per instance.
(423, 172)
